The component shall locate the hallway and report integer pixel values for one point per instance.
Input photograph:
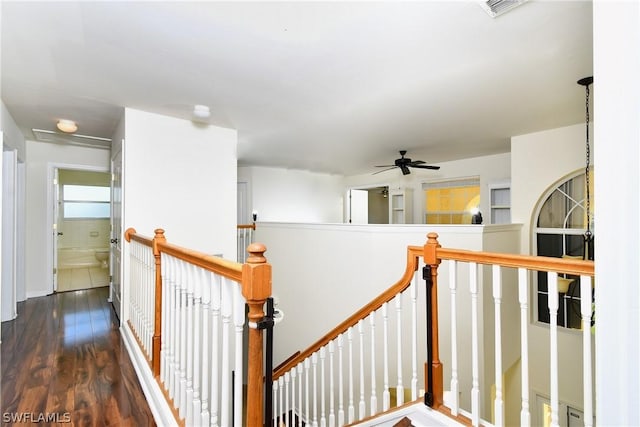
(63, 359)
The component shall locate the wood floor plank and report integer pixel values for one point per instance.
(64, 355)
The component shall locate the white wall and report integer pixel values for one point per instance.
(539, 160)
(617, 109)
(12, 135)
(38, 238)
(491, 169)
(294, 195)
(181, 177)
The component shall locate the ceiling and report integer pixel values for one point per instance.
(333, 87)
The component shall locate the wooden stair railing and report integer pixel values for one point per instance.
(175, 291)
(298, 392)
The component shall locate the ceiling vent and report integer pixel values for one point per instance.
(42, 135)
(498, 7)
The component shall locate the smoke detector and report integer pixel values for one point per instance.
(498, 7)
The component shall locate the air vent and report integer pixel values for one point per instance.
(73, 139)
(498, 7)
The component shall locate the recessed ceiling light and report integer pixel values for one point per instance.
(68, 126)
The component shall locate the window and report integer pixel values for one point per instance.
(559, 232)
(451, 202)
(86, 201)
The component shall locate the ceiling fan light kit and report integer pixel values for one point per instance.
(404, 163)
(201, 112)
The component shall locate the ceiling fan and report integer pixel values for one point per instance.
(404, 163)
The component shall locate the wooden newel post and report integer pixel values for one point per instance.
(256, 288)
(157, 332)
(431, 259)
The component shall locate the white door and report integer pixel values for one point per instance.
(358, 207)
(57, 229)
(116, 232)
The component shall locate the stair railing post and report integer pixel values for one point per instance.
(256, 288)
(433, 368)
(157, 330)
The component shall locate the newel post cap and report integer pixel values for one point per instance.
(430, 249)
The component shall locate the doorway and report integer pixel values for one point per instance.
(367, 205)
(82, 212)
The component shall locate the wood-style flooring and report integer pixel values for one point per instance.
(63, 358)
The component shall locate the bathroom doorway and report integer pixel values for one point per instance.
(82, 212)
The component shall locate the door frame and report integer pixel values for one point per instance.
(50, 242)
(347, 198)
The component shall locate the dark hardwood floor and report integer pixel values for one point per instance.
(63, 358)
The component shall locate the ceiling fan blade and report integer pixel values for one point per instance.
(405, 170)
(416, 162)
(383, 170)
(425, 167)
(385, 166)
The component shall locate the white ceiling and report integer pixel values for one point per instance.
(324, 86)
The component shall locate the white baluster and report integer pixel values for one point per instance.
(182, 397)
(197, 350)
(164, 318)
(362, 405)
(287, 380)
(475, 356)
(314, 364)
(332, 415)
(386, 396)
(307, 363)
(280, 414)
(340, 382)
(413, 292)
(207, 283)
(453, 283)
(173, 310)
(523, 298)
(586, 311)
(293, 397)
(400, 385)
(190, 343)
(497, 298)
(225, 390)
(216, 302)
(351, 408)
(301, 413)
(323, 356)
(374, 398)
(238, 321)
(276, 401)
(552, 280)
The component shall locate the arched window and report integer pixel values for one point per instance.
(560, 225)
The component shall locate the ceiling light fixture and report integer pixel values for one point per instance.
(68, 126)
(201, 112)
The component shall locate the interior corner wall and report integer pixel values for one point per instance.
(289, 195)
(181, 176)
(39, 156)
(12, 135)
(538, 160)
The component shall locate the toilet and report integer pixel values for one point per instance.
(102, 255)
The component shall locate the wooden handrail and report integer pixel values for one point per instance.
(245, 226)
(413, 254)
(132, 234)
(530, 262)
(229, 269)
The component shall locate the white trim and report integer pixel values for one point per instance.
(155, 398)
(51, 167)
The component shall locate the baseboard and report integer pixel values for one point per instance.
(157, 402)
(36, 294)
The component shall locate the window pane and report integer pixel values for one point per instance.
(87, 193)
(86, 210)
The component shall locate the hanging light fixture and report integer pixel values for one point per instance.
(588, 235)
